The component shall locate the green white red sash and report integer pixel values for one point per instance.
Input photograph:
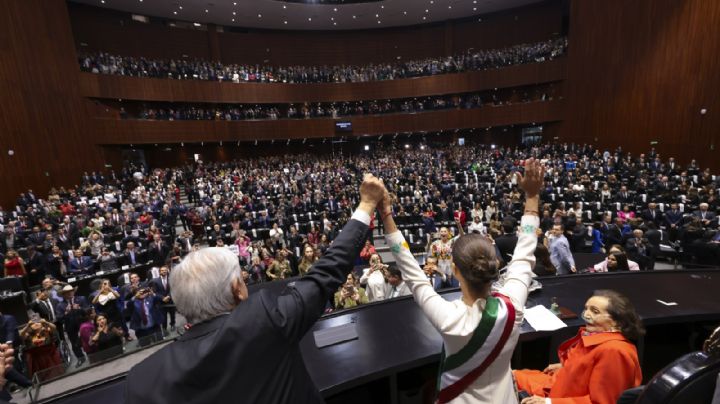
(459, 370)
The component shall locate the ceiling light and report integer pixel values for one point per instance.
(449, 7)
(285, 22)
(424, 18)
(233, 20)
(234, 13)
(474, 8)
(382, 6)
(207, 11)
(259, 15)
(405, 12)
(474, 1)
(354, 17)
(378, 21)
(102, 1)
(309, 18)
(335, 9)
(432, 2)
(332, 18)
(284, 6)
(234, 3)
(334, 23)
(377, 15)
(427, 11)
(180, 7)
(197, 24)
(175, 12)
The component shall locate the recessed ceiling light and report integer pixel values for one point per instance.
(285, 22)
(234, 13)
(382, 6)
(449, 6)
(378, 21)
(309, 18)
(175, 12)
(474, 8)
(284, 6)
(354, 17)
(233, 20)
(332, 18)
(180, 7)
(432, 2)
(207, 11)
(474, 1)
(102, 1)
(234, 4)
(335, 9)
(334, 23)
(405, 12)
(377, 15)
(197, 24)
(424, 18)
(259, 15)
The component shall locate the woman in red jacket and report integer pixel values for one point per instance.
(598, 364)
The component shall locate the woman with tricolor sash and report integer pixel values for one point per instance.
(481, 329)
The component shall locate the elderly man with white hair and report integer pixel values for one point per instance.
(245, 348)
(706, 216)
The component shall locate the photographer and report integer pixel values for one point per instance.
(107, 334)
(350, 294)
(375, 279)
(145, 315)
(41, 353)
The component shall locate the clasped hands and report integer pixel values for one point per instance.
(373, 194)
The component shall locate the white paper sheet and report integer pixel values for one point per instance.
(542, 319)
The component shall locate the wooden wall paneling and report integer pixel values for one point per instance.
(110, 131)
(641, 71)
(132, 88)
(42, 117)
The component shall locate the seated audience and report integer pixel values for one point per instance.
(604, 265)
(598, 364)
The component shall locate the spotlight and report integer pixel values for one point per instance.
(367, 147)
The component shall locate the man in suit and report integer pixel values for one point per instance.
(560, 254)
(398, 287)
(673, 221)
(158, 250)
(706, 217)
(507, 242)
(161, 287)
(71, 311)
(652, 214)
(46, 307)
(210, 362)
(80, 263)
(639, 250)
(132, 256)
(145, 315)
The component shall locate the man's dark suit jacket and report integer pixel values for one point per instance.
(506, 245)
(252, 354)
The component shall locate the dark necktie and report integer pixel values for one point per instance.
(50, 311)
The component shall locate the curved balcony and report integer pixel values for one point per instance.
(149, 89)
(114, 131)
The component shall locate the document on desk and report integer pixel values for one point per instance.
(542, 319)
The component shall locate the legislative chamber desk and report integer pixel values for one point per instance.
(394, 338)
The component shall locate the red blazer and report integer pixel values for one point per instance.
(596, 369)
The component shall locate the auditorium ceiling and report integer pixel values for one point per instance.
(275, 14)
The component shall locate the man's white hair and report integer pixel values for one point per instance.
(202, 283)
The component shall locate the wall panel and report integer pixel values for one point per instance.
(641, 71)
(42, 119)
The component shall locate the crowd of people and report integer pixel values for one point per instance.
(181, 69)
(236, 112)
(280, 215)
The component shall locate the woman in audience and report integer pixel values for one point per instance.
(374, 279)
(280, 267)
(107, 335)
(323, 244)
(87, 330)
(41, 353)
(604, 265)
(617, 261)
(14, 265)
(308, 259)
(367, 251)
(598, 244)
(626, 214)
(469, 371)
(107, 301)
(543, 264)
(257, 270)
(598, 364)
(350, 294)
